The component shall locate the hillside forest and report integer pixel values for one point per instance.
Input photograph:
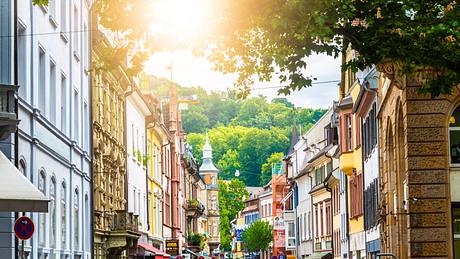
(246, 135)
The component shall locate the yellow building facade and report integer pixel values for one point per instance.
(157, 138)
(351, 160)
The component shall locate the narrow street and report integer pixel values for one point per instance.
(229, 129)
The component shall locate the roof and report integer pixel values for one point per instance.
(208, 166)
(17, 193)
(321, 153)
(346, 102)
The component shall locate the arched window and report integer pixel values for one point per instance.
(63, 217)
(87, 220)
(214, 180)
(53, 212)
(76, 211)
(22, 167)
(41, 217)
(454, 136)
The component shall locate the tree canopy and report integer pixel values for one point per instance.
(258, 236)
(259, 38)
(231, 200)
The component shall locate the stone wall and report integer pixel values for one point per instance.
(415, 195)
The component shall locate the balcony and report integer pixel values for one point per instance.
(125, 221)
(8, 120)
(194, 208)
(347, 163)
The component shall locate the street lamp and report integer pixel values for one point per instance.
(237, 173)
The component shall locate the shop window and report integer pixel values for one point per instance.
(456, 229)
(454, 136)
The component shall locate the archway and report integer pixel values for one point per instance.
(401, 186)
(454, 151)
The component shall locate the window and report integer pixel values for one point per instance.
(76, 215)
(349, 134)
(454, 136)
(52, 214)
(76, 30)
(41, 216)
(63, 217)
(22, 62)
(63, 15)
(328, 219)
(63, 102)
(53, 96)
(356, 195)
(52, 8)
(456, 228)
(87, 221)
(291, 235)
(214, 180)
(41, 81)
(86, 126)
(76, 117)
(316, 221)
(22, 167)
(319, 175)
(371, 204)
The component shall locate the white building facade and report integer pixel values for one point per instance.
(55, 132)
(136, 112)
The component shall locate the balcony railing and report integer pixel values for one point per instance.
(125, 221)
(8, 121)
(194, 208)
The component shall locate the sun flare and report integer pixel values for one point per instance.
(181, 20)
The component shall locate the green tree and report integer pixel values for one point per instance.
(197, 141)
(259, 39)
(266, 174)
(258, 236)
(283, 101)
(228, 164)
(194, 121)
(231, 200)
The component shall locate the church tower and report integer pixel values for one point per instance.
(209, 173)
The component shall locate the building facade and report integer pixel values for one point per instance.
(111, 236)
(55, 131)
(137, 111)
(366, 107)
(418, 145)
(157, 139)
(209, 173)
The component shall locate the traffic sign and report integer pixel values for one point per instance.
(200, 257)
(24, 228)
(281, 256)
(179, 257)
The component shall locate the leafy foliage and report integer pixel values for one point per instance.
(258, 39)
(258, 236)
(231, 200)
(266, 174)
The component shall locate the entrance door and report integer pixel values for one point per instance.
(456, 228)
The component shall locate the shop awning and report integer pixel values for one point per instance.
(324, 255)
(152, 249)
(17, 193)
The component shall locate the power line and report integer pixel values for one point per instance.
(46, 33)
(284, 86)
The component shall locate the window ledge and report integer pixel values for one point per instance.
(44, 8)
(64, 37)
(53, 21)
(76, 55)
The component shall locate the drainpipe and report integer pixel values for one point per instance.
(91, 184)
(330, 190)
(311, 218)
(147, 173)
(16, 134)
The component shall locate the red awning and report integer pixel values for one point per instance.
(150, 248)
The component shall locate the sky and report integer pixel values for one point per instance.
(193, 71)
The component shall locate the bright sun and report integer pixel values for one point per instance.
(182, 20)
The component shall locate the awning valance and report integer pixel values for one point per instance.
(17, 193)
